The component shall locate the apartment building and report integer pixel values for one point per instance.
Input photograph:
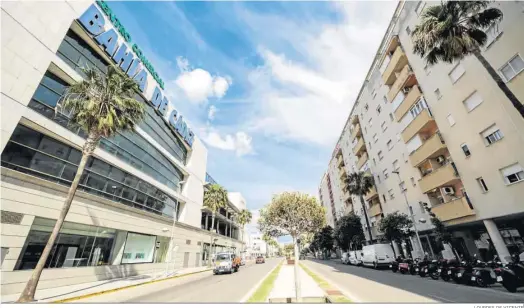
(454, 138)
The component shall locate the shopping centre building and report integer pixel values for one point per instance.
(442, 135)
(138, 208)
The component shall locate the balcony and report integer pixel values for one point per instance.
(431, 148)
(421, 122)
(371, 194)
(359, 146)
(454, 209)
(375, 210)
(442, 176)
(357, 132)
(354, 119)
(342, 173)
(340, 161)
(362, 160)
(397, 61)
(404, 78)
(408, 101)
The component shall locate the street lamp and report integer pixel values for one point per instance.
(171, 244)
(410, 212)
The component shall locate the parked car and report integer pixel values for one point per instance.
(355, 257)
(377, 255)
(243, 261)
(260, 260)
(345, 258)
(226, 262)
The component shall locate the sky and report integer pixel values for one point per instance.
(267, 86)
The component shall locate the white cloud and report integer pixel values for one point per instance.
(240, 142)
(309, 99)
(212, 112)
(199, 85)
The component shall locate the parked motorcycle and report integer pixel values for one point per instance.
(513, 274)
(423, 266)
(394, 265)
(434, 269)
(448, 269)
(483, 275)
(415, 267)
(406, 266)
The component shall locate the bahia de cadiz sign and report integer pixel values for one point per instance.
(115, 43)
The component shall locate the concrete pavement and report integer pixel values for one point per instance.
(284, 286)
(369, 285)
(197, 288)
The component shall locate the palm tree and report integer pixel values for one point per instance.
(244, 217)
(215, 198)
(101, 105)
(359, 184)
(455, 29)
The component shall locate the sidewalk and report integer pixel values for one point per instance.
(85, 289)
(284, 286)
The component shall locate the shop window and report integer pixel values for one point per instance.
(139, 248)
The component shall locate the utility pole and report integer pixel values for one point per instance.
(410, 213)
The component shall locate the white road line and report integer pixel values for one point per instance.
(250, 293)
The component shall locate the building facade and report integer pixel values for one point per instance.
(138, 208)
(448, 132)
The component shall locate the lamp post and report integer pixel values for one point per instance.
(171, 244)
(410, 213)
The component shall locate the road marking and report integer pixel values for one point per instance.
(252, 291)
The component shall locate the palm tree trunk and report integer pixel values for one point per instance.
(366, 216)
(502, 85)
(28, 293)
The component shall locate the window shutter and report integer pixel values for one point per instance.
(515, 168)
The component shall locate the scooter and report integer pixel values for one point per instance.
(423, 267)
(513, 274)
(406, 266)
(434, 270)
(415, 266)
(483, 275)
(394, 266)
(448, 269)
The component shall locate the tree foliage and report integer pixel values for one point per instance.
(326, 239)
(359, 184)
(215, 197)
(348, 231)
(291, 213)
(396, 226)
(244, 217)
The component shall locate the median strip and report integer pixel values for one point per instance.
(263, 290)
(333, 294)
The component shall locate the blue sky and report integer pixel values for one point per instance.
(267, 86)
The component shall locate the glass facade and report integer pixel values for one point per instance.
(127, 146)
(80, 245)
(78, 54)
(34, 153)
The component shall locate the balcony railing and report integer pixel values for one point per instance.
(423, 119)
(359, 146)
(357, 131)
(430, 148)
(453, 209)
(371, 194)
(375, 210)
(402, 77)
(340, 161)
(397, 61)
(440, 177)
(362, 160)
(408, 101)
(342, 173)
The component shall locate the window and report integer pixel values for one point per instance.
(451, 121)
(365, 130)
(370, 122)
(380, 156)
(366, 107)
(391, 116)
(374, 94)
(389, 144)
(384, 197)
(427, 69)
(379, 109)
(472, 101)
(413, 182)
(383, 126)
(420, 7)
(456, 73)
(491, 135)
(465, 149)
(437, 94)
(374, 161)
(514, 66)
(408, 30)
(402, 186)
(375, 138)
(417, 108)
(369, 145)
(395, 165)
(385, 99)
(391, 195)
(386, 173)
(378, 178)
(482, 184)
(398, 137)
(492, 33)
(513, 174)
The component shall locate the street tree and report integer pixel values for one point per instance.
(396, 228)
(442, 234)
(215, 198)
(294, 214)
(348, 231)
(452, 30)
(326, 240)
(101, 105)
(359, 184)
(243, 218)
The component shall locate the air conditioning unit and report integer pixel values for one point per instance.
(441, 159)
(406, 90)
(448, 190)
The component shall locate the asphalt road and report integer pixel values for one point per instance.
(198, 288)
(438, 290)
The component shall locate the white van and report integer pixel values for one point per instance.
(345, 258)
(377, 255)
(355, 257)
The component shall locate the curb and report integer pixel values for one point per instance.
(351, 297)
(255, 288)
(122, 288)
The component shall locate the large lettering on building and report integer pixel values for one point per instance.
(132, 61)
